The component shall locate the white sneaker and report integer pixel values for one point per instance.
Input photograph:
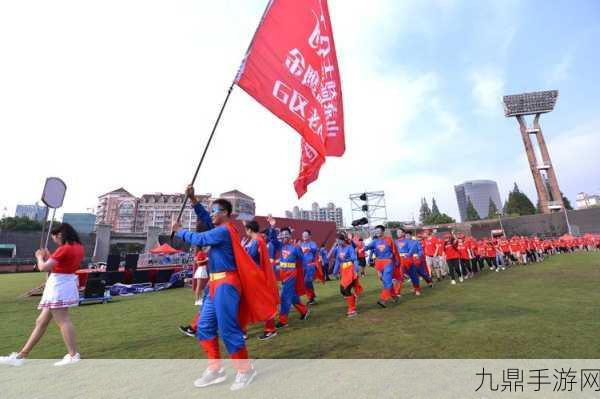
(12, 360)
(461, 279)
(199, 302)
(243, 379)
(68, 359)
(453, 282)
(497, 269)
(211, 377)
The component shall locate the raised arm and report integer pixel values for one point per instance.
(207, 238)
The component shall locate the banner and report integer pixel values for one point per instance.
(291, 69)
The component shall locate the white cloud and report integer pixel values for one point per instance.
(125, 95)
(560, 72)
(487, 90)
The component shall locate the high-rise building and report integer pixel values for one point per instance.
(127, 213)
(33, 212)
(243, 205)
(584, 200)
(113, 204)
(81, 222)
(479, 192)
(330, 213)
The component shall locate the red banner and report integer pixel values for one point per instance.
(291, 68)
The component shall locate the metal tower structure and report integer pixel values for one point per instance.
(537, 103)
(369, 205)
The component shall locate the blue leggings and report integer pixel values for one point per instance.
(220, 314)
(387, 276)
(289, 296)
(414, 272)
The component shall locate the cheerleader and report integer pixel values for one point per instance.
(60, 293)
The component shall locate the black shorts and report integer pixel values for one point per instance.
(362, 262)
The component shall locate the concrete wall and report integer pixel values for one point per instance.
(582, 221)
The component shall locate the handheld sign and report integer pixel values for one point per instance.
(54, 192)
(53, 197)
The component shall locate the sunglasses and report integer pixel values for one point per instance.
(215, 210)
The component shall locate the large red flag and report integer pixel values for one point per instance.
(291, 68)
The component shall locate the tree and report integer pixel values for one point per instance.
(518, 203)
(441, 218)
(436, 217)
(20, 224)
(435, 211)
(471, 211)
(492, 209)
(566, 202)
(424, 212)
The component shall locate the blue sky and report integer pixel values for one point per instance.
(127, 91)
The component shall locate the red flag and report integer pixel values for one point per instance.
(291, 68)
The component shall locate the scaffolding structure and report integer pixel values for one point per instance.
(371, 206)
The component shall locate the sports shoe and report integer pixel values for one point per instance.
(199, 302)
(312, 302)
(245, 337)
(305, 315)
(351, 314)
(12, 360)
(68, 359)
(453, 282)
(211, 377)
(281, 325)
(381, 303)
(418, 293)
(497, 269)
(268, 335)
(461, 279)
(396, 298)
(243, 379)
(187, 330)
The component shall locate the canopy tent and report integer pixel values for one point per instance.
(165, 249)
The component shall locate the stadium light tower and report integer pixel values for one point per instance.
(368, 208)
(537, 103)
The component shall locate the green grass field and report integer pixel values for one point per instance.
(548, 310)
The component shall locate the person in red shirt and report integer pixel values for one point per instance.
(515, 250)
(465, 258)
(432, 248)
(452, 258)
(504, 246)
(362, 257)
(60, 293)
(199, 282)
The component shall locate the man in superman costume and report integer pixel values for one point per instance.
(290, 271)
(312, 265)
(347, 267)
(387, 264)
(257, 249)
(238, 294)
(411, 252)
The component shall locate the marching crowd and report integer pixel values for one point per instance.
(262, 277)
(290, 266)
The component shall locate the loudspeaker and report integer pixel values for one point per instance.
(141, 277)
(131, 261)
(163, 276)
(95, 286)
(113, 262)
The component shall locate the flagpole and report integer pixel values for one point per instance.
(212, 133)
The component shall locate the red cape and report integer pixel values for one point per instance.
(267, 266)
(256, 298)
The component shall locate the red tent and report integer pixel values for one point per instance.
(164, 249)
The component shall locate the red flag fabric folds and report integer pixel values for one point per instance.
(291, 69)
